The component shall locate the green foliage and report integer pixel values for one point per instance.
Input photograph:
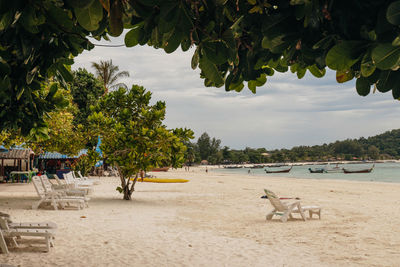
(208, 148)
(133, 136)
(85, 163)
(86, 91)
(36, 42)
(237, 42)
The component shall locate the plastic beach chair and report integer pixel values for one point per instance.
(285, 210)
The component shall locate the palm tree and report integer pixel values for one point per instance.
(109, 74)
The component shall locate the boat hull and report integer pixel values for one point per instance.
(279, 171)
(316, 170)
(357, 171)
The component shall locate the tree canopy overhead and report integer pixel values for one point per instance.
(236, 42)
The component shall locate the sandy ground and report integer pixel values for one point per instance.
(215, 220)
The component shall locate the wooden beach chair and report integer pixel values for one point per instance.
(8, 235)
(54, 198)
(285, 210)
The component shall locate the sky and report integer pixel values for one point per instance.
(284, 113)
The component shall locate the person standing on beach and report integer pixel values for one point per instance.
(206, 170)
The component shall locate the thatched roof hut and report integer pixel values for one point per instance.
(14, 158)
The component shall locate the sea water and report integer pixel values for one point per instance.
(382, 172)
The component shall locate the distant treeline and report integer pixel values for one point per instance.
(383, 146)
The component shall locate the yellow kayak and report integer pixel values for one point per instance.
(161, 180)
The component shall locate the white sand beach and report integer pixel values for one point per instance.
(215, 220)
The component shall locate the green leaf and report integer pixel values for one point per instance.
(363, 86)
(316, 71)
(393, 13)
(60, 17)
(6, 20)
(4, 67)
(396, 92)
(301, 72)
(229, 39)
(396, 41)
(210, 71)
(217, 52)
(90, 17)
(29, 21)
(388, 80)
(344, 55)
(132, 37)
(260, 81)
(185, 44)
(386, 56)
(173, 42)
(80, 3)
(324, 43)
(65, 73)
(344, 76)
(195, 59)
(367, 66)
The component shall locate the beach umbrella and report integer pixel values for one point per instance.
(99, 163)
(98, 150)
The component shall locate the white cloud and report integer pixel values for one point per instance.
(285, 112)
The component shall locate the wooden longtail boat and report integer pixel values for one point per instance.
(257, 167)
(163, 169)
(278, 171)
(359, 171)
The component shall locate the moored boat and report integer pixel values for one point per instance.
(257, 167)
(318, 170)
(359, 171)
(162, 169)
(278, 171)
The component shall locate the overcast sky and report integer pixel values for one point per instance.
(285, 112)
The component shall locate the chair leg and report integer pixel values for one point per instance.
(48, 243)
(270, 215)
(3, 244)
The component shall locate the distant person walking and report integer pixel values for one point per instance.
(206, 170)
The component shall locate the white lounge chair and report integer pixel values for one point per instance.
(285, 210)
(28, 225)
(9, 235)
(64, 192)
(76, 184)
(95, 181)
(54, 198)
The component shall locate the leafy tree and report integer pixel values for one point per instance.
(133, 136)
(208, 148)
(373, 152)
(109, 75)
(85, 90)
(236, 42)
(58, 133)
(203, 145)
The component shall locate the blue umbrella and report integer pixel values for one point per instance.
(98, 150)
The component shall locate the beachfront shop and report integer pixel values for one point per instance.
(16, 164)
(54, 163)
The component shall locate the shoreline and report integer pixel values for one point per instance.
(216, 219)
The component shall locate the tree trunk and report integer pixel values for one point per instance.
(127, 192)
